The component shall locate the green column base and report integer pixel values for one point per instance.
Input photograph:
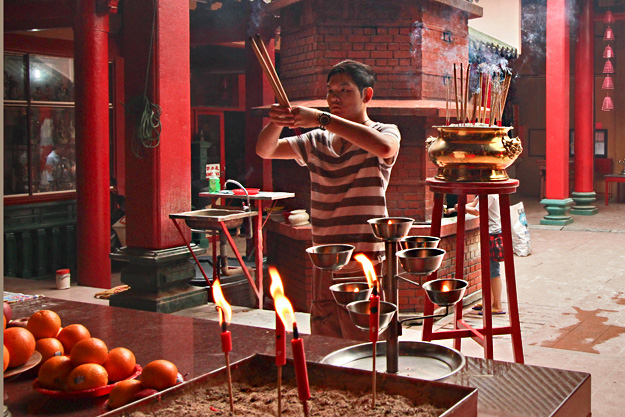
(159, 280)
(584, 204)
(558, 212)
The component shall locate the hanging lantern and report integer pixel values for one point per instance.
(608, 18)
(608, 84)
(607, 104)
(608, 68)
(608, 35)
(608, 52)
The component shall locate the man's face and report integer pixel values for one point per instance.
(343, 96)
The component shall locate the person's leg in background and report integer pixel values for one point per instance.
(324, 319)
(496, 287)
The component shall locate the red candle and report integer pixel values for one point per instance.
(374, 316)
(226, 341)
(301, 371)
(280, 342)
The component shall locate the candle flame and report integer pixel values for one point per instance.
(225, 311)
(390, 222)
(282, 304)
(356, 289)
(446, 288)
(367, 266)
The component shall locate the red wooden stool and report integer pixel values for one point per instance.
(484, 335)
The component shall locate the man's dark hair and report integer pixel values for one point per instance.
(362, 74)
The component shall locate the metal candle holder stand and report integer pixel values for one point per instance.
(419, 258)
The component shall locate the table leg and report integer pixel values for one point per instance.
(191, 250)
(258, 252)
(435, 230)
(487, 317)
(607, 191)
(460, 227)
(513, 306)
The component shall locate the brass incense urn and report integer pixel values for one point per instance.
(473, 153)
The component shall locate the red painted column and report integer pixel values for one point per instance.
(258, 92)
(92, 146)
(557, 102)
(158, 180)
(584, 99)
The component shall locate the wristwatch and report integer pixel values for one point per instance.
(324, 119)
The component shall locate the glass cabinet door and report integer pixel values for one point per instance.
(14, 88)
(51, 79)
(15, 151)
(53, 155)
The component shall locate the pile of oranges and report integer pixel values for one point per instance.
(156, 376)
(73, 360)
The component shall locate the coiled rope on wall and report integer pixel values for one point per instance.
(148, 131)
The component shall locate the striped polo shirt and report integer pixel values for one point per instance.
(346, 190)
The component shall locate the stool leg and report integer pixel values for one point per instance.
(487, 318)
(435, 230)
(513, 307)
(460, 226)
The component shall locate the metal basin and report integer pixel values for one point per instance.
(209, 219)
(391, 228)
(359, 313)
(423, 360)
(445, 292)
(421, 261)
(332, 257)
(349, 292)
(411, 242)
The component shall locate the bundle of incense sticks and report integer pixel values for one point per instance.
(270, 72)
(488, 101)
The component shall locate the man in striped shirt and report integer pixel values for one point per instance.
(349, 158)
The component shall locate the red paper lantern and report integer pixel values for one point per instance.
(608, 35)
(607, 104)
(608, 52)
(608, 18)
(607, 83)
(608, 68)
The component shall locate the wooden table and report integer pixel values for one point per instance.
(613, 178)
(194, 345)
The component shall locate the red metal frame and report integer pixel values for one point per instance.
(483, 335)
(201, 111)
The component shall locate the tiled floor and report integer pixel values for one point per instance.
(571, 293)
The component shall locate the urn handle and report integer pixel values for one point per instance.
(429, 141)
(512, 146)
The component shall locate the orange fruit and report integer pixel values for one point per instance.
(54, 372)
(20, 344)
(90, 350)
(120, 364)
(5, 322)
(159, 374)
(87, 376)
(71, 334)
(124, 392)
(49, 347)
(44, 323)
(6, 358)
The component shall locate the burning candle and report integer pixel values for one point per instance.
(374, 315)
(446, 288)
(225, 316)
(277, 292)
(286, 316)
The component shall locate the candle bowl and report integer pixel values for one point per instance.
(359, 312)
(411, 242)
(332, 257)
(391, 228)
(445, 292)
(349, 292)
(421, 261)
